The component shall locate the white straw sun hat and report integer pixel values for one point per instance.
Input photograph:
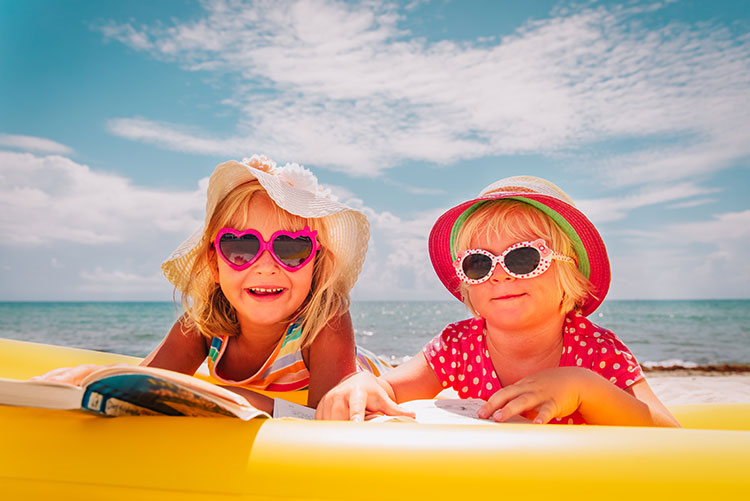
(293, 188)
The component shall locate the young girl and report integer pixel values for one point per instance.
(265, 285)
(530, 267)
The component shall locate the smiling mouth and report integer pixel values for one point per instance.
(265, 291)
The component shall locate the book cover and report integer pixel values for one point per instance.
(126, 390)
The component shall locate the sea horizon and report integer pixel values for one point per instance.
(671, 333)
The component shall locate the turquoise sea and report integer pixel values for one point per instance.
(675, 333)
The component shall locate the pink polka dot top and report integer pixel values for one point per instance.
(461, 361)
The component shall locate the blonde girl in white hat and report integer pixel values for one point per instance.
(265, 285)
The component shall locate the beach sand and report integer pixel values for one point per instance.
(695, 387)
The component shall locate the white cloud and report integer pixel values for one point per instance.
(723, 228)
(398, 264)
(699, 259)
(51, 198)
(46, 200)
(37, 144)
(366, 96)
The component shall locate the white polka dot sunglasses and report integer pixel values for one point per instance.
(521, 260)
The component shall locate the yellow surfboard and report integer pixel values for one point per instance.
(48, 454)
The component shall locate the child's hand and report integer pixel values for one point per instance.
(541, 397)
(70, 375)
(353, 396)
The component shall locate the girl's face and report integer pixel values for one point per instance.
(506, 302)
(263, 294)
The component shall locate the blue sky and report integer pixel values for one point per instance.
(113, 114)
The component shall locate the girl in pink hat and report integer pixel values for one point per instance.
(530, 267)
(265, 286)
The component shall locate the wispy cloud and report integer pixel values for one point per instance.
(100, 280)
(34, 144)
(614, 208)
(367, 95)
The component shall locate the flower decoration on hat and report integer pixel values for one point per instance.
(292, 174)
(260, 162)
(300, 177)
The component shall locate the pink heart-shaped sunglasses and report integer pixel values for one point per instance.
(291, 250)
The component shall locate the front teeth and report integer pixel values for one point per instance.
(261, 290)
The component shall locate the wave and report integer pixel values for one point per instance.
(675, 365)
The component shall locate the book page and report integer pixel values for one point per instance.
(42, 394)
(285, 409)
(443, 411)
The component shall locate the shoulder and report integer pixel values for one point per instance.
(605, 340)
(182, 350)
(460, 332)
(592, 346)
(449, 343)
(334, 339)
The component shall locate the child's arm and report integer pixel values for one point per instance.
(362, 392)
(183, 349)
(179, 351)
(331, 357)
(561, 391)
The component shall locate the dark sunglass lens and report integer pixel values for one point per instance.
(523, 260)
(292, 251)
(476, 266)
(239, 250)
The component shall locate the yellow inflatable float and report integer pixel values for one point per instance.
(47, 454)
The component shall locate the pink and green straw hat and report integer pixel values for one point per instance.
(545, 196)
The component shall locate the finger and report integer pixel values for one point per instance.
(49, 375)
(391, 408)
(321, 409)
(521, 403)
(545, 414)
(339, 409)
(357, 406)
(500, 398)
(77, 374)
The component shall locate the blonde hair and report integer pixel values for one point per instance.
(522, 221)
(209, 311)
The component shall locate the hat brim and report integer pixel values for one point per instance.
(588, 244)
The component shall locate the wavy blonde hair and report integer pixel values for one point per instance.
(522, 221)
(209, 311)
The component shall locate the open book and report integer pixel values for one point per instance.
(124, 390)
(430, 411)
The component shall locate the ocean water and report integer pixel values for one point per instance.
(676, 333)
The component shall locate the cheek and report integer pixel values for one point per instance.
(477, 294)
(303, 281)
(549, 288)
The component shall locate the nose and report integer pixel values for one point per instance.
(265, 263)
(500, 275)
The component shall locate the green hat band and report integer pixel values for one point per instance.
(580, 250)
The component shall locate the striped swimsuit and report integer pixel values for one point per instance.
(285, 369)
